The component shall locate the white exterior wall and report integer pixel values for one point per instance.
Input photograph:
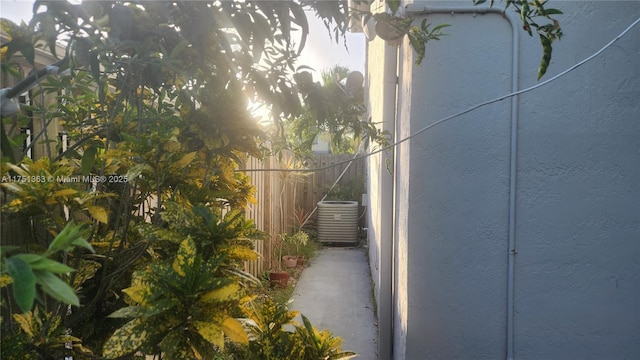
(455, 191)
(375, 163)
(579, 194)
(576, 278)
(381, 81)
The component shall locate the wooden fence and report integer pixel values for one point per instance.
(311, 189)
(284, 198)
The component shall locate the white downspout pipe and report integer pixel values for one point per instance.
(513, 151)
(513, 172)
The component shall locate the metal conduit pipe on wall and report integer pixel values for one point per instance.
(414, 10)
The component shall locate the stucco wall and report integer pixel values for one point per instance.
(456, 192)
(578, 227)
(381, 80)
(577, 206)
(374, 165)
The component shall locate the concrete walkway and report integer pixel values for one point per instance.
(335, 294)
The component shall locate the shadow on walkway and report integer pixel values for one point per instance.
(335, 294)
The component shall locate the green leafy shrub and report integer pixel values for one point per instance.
(183, 307)
(352, 190)
(39, 336)
(269, 338)
(26, 270)
(298, 239)
(311, 344)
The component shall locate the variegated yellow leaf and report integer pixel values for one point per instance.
(126, 339)
(136, 334)
(12, 187)
(19, 170)
(86, 270)
(234, 330)
(138, 293)
(186, 160)
(41, 165)
(5, 280)
(64, 192)
(241, 252)
(176, 346)
(25, 322)
(98, 213)
(225, 293)
(210, 331)
(185, 257)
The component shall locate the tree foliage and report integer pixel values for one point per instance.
(334, 108)
(531, 14)
(155, 107)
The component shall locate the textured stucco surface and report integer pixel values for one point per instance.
(456, 192)
(381, 107)
(577, 229)
(375, 164)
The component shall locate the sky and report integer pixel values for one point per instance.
(319, 53)
(322, 52)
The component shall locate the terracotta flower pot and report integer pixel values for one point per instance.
(278, 279)
(300, 260)
(290, 261)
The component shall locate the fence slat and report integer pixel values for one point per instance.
(256, 267)
(279, 194)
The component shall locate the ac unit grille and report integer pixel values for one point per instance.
(338, 221)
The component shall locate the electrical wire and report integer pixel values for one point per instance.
(470, 109)
(334, 185)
